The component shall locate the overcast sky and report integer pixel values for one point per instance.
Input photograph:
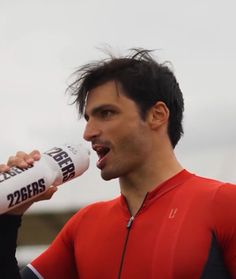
(43, 42)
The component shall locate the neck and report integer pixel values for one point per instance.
(137, 184)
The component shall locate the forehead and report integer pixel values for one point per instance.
(107, 93)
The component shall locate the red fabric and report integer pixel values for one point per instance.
(170, 237)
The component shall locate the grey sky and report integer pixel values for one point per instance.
(42, 43)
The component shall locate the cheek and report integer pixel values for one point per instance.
(135, 143)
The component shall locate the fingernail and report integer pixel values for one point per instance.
(36, 156)
(29, 161)
(6, 168)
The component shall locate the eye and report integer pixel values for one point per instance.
(86, 117)
(106, 113)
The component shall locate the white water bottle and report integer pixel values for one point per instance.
(56, 166)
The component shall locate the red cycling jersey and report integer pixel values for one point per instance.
(185, 229)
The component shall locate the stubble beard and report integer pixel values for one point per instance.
(128, 158)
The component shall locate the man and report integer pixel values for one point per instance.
(167, 223)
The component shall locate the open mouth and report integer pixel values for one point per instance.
(101, 150)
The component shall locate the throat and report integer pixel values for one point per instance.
(134, 191)
(135, 205)
(134, 199)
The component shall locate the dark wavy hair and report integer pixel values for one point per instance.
(142, 79)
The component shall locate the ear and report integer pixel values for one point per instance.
(158, 115)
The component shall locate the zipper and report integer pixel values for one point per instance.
(128, 226)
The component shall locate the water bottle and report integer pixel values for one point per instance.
(56, 166)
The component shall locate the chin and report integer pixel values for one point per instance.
(106, 175)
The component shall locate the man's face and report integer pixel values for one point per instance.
(116, 131)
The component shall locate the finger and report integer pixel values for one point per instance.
(48, 194)
(23, 160)
(28, 158)
(20, 210)
(35, 154)
(16, 161)
(4, 168)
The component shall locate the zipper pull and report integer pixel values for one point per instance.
(128, 226)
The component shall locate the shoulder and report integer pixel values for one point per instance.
(226, 194)
(93, 212)
(220, 195)
(206, 182)
(223, 212)
(99, 207)
(211, 185)
(209, 190)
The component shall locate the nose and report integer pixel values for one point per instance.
(91, 131)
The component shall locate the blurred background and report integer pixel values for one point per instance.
(43, 42)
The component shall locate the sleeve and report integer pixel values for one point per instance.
(29, 273)
(9, 225)
(58, 260)
(224, 210)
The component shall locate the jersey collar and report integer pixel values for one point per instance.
(161, 189)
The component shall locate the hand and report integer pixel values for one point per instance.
(24, 160)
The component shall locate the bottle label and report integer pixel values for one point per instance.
(24, 193)
(64, 161)
(11, 173)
